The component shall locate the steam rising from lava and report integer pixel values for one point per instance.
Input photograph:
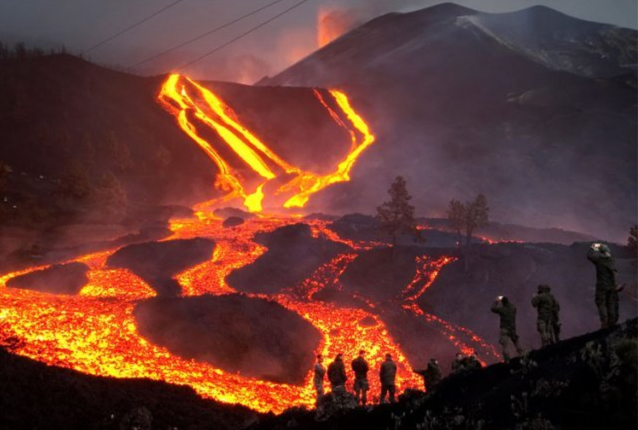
(332, 23)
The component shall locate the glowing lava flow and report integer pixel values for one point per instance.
(185, 99)
(427, 271)
(95, 332)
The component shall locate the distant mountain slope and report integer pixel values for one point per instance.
(534, 108)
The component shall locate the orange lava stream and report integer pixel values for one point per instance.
(188, 101)
(95, 332)
(427, 271)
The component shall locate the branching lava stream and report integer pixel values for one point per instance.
(95, 331)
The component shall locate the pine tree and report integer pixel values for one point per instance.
(469, 216)
(397, 215)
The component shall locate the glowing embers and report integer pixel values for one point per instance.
(199, 111)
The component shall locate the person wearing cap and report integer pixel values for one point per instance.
(361, 386)
(606, 295)
(387, 375)
(320, 371)
(547, 308)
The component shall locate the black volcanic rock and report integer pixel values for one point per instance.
(292, 256)
(232, 221)
(233, 213)
(376, 273)
(357, 226)
(380, 275)
(58, 279)
(513, 105)
(38, 395)
(158, 262)
(254, 337)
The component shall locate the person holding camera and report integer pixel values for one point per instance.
(507, 313)
(606, 296)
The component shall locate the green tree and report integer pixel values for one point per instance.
(396, 216)
(467, 217)
(477, 216)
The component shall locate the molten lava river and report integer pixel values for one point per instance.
(95, 331)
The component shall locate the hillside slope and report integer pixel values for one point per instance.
(584, 382)
(534, 108)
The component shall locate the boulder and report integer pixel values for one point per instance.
(58, 279)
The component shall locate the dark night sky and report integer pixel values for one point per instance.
(80, 24)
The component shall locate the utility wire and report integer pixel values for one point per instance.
(108, 39)
(214, 30)
(241, 35)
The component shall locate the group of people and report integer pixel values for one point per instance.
(547, 323)
(337, 376)
(547, 307)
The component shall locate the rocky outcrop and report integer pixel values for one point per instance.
(292, 256)
(254, 337)
(158, 262)
(58, 279)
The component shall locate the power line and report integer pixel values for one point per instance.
(204, 34)
(108, 39)
(241, 35)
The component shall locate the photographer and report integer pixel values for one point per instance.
(606, 297)
(507, 313)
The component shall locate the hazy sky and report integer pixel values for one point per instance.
(80, 24)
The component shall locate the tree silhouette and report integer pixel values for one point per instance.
(468, 217)
(456, 214)
(477, 216)
(396, 216)
(632, 241)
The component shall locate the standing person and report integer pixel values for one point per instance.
(507, 313)
(547, 307)
(337, 372)
(387, 374)
(458, 363)
(361, 386)
(432, 374)
(320, 371)
(606, 297)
